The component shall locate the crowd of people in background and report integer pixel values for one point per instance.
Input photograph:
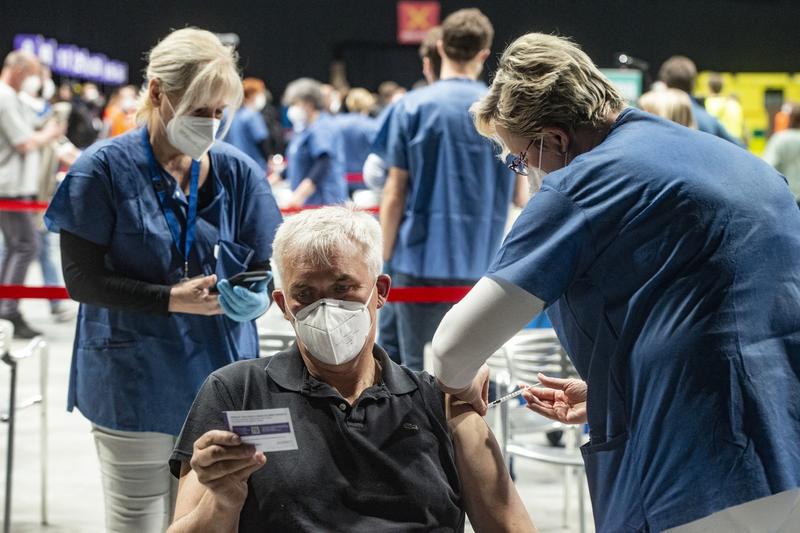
(315, 146)
(321, 144)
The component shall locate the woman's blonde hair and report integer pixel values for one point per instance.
(543, 80)
(194, 66)
(671, 104)
(360, 100)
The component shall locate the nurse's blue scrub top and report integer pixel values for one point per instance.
(670, 260)
(247, 132)
(459, 192)
(305, 148)
(140, 372)
(358, 131)
(383, 125)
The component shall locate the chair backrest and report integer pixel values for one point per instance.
(272, 343)
(499, 367)
(536, 350)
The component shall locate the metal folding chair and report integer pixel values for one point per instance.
(527, 353)
(272, 343)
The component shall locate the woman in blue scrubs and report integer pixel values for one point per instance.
(358, 130)
(315, 154)
(669, 263)
(149, 222)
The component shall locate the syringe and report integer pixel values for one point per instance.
(511, 395)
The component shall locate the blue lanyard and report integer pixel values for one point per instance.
(167, 203)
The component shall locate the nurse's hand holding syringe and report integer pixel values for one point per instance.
(558, 399)
(194, 297)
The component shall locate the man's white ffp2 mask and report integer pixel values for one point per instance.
(334, 331)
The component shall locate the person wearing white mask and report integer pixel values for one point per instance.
(149, 222)
(315, 154)
(249, 132)
(374, 451)
(20, 145)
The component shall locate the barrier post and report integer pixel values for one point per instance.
(12, 406)
(36, 346)
(44, 365)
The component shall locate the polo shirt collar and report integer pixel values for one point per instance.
(288, 370)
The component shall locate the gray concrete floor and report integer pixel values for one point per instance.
(74, 495)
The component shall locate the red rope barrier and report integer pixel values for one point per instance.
(19, 292)
(22, 205)
(33, 206)
(445, 295)
(396, 295)
(295, 210)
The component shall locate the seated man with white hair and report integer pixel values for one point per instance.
(376, 451)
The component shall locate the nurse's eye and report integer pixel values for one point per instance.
(341, 288)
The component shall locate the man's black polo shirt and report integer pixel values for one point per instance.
(385, 464)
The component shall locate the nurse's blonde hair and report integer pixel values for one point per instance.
(545, 81)
(194, 68)
(671, 104)
(315, 237)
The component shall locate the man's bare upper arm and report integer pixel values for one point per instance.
(490, 498)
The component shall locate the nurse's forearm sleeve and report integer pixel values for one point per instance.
(89, 281)
(476, 327)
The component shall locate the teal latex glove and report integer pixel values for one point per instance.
(242, 304)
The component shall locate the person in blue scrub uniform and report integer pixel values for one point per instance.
(669, 263)
(315, 154)
(151, 224)
(358, 130)
(447, 196)
(374, 175)
(248, 131)
(680, 73)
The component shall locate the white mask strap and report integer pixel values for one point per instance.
(541, 148)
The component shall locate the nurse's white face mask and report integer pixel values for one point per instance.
(334, 331)
(193, 136)
(298, 117)
(536, 175)
(260, 101)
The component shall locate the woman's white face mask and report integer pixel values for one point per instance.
(260, 101)
(193, 136)
(334, 331)
(298, 117)
(536, 175)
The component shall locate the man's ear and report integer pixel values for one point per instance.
(383, 285)
(427, 69)
(483, 55)
(279, 298)
(440, 48)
